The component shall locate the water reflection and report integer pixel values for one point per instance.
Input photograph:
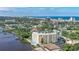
(8, 42)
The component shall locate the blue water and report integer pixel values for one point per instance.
(56, 17)
(8, 42)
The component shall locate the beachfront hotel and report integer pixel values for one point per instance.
(44, 37)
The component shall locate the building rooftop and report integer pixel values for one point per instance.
(47, 31)
(38, 49)
(51, 46)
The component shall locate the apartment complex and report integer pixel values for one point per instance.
(1, 29)
(44, 37)
(10, 20)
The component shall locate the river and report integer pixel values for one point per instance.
(8, 42)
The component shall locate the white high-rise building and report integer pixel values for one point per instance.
(72, 19)
(44, 37)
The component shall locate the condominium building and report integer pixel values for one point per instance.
(44, 37)
(1, 29)
(10, 20)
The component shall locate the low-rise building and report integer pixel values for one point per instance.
(52, 47)
(10, 20)
(72, 42)
(1, 29)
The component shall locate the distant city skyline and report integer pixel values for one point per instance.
(39, 11)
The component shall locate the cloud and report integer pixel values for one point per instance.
(52, 8)
(4, 9)
(42, 8)
(38, 11)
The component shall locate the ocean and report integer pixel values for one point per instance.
(56, 17)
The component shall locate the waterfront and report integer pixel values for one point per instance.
(8, 42)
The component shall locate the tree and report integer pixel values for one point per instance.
(65, 33)
(72, 36)
(68, 47)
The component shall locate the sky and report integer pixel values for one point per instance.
(39, 11)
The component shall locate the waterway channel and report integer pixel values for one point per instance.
(9, 42)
